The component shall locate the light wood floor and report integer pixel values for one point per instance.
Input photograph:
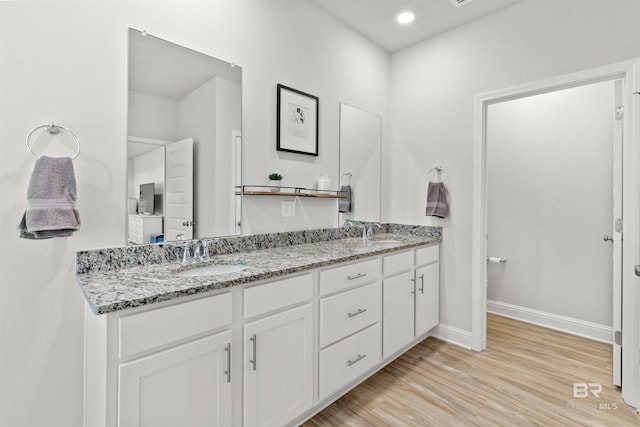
(524, 378)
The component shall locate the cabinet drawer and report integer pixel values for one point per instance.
(348, 312)
(275, 295)
(143, 331)
(427, 255)
(397, 263)
(135, 221)
(347, 276)
(347, 360)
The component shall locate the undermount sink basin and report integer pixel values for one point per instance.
(212, 270)
(374, 240)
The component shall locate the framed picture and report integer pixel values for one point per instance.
(297, 127)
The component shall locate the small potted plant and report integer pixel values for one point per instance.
(275, 181)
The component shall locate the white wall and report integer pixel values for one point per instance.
(550, 201)
(432, 91)
(197, 120)
(70, 66)
(228, 119)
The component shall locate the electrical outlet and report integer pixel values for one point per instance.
(288, 209)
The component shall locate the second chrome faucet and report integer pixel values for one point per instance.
(195, 251)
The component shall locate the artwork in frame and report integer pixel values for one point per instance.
(297, 126)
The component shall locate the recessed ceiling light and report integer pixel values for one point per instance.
(405, 16)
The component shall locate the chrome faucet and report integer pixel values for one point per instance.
(367, 230)
(186, 256)
(200, 252)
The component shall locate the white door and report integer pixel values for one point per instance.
(179, 190)
(427, 298)
(617, 237)
(185, 386)
(278, 367)
(398, 314)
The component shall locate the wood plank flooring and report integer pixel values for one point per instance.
(524, 378)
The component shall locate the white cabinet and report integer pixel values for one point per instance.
(278, 367)
(270, 353)
(399, 308)
(141, 227)
(427, 291)
(350, 334)
(410, 296)
(427, 298)
(189, 385)
(349, 312)
(348, 359)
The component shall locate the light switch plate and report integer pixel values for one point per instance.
(288, 209)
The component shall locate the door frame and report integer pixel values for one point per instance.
(629, 73)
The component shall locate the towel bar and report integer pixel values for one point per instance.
(52, 129)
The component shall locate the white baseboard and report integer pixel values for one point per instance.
(452, 335)
(566, 324)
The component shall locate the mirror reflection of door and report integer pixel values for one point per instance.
(178, 220)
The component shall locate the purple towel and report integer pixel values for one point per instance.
(51, 208)
(437, 200)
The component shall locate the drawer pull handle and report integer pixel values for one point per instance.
(356, 360)
(357, 276)
(360, 311)
(422, 284)
(253, 361)
(228, 371)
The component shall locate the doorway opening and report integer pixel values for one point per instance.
(628, 73)
(554, 188)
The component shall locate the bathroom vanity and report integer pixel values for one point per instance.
(268, 332)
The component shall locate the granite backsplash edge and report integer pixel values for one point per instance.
(115, 258)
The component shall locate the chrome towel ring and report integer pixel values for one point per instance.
(52, 129)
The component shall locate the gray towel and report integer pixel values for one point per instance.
(344, 205)
(437, 200)
(51, 196)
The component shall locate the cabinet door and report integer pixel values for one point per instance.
(278, 367)
(427, 298)
(184, 386)
(398, 312)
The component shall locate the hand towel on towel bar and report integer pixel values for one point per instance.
(344, 205)
(437, 200)
(51, 196)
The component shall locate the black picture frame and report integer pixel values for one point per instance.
(297, 121)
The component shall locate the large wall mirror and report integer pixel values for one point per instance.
(360, 163)
(184, 145)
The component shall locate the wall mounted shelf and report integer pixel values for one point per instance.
(265, 190)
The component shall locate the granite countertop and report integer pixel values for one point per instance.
(117, 289)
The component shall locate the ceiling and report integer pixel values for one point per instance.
(374, 19)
